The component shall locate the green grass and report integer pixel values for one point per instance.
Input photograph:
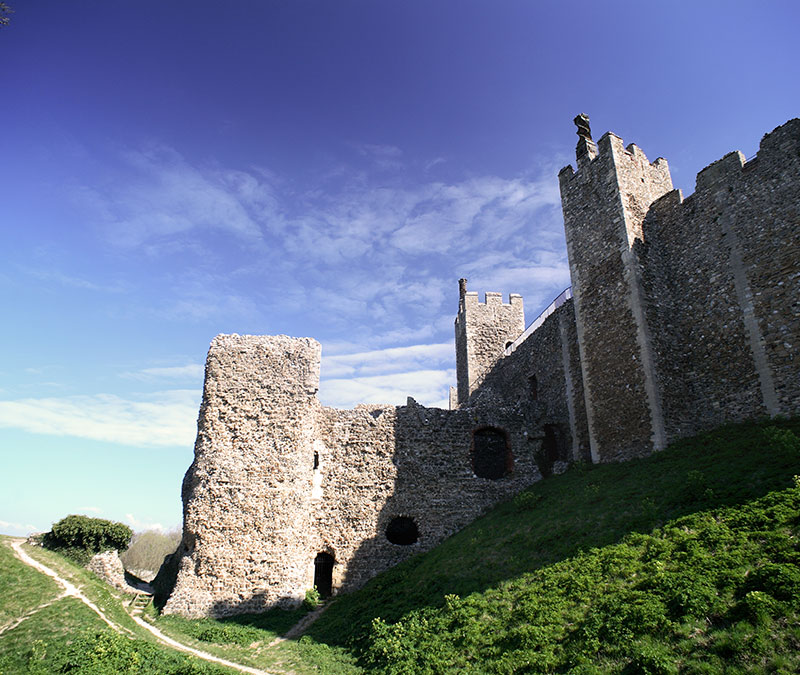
(67, 636)
(21, 587)
(588, 531)
(246, 638)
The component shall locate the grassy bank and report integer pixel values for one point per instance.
(686, 556)
(59, 634)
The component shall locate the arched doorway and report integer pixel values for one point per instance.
(551, 450)
(323, 574)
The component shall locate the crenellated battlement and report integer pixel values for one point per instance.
(611, 153)
(492, 298)
(640, 254)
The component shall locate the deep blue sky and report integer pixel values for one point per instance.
(175, 170)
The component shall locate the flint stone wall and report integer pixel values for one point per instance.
(541, 380)
(482, 330)
(726, 308)
(687, 311)
(686, 314)
(108, 566)
(257, 512)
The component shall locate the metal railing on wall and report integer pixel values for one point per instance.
(565, 295)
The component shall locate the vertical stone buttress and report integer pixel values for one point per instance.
(482, 331)
(604, 205)
(247, 495)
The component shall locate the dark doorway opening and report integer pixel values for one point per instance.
(491, 456)
(551, 451)
(402, 531)
(323, 574)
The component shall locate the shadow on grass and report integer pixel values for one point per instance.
(587, 507)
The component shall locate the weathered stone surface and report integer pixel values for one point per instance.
(109, 568)
(278, 479)
(482, 331)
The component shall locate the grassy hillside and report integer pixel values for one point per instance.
(61, 634)
(684, 561)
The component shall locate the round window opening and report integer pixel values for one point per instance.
(402, 531)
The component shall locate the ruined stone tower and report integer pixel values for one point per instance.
(483, 330)
(604, 204)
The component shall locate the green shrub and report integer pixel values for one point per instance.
(80, 537)
(108, 653)
(312, 598)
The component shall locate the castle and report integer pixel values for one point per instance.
(683, 314)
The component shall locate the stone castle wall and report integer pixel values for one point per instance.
(278, 479)
(482, 331)
(727, 321)
(541, 379)
(686, 310)
(604, 204)
(685, 315)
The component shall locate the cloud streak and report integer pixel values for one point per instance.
(191, 371)
(166, 418)
(17, 528)
(371, 257)
(428, 387)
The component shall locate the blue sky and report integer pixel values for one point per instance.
(175, 170)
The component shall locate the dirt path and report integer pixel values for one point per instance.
(71, 590)
(16, 622)
(300, 627)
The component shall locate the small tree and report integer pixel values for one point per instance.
(148, 549)
(5, 11)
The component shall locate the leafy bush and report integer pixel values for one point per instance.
(80, 537)
(108, 653)
(312, 598)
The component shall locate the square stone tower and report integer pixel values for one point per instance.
(605, 202)
(483, 330)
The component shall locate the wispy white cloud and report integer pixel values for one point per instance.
(428, 387)
(62, 279)
(162, 196)
(190, 371)
(143, 525)
(376, 254)
(384, 361)
(18, 528)
(90, 509)
(166, 418)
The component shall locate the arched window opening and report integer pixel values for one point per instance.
(316, 461)
(509, 343)
(402, 531)
(491, 454)
(323, 574)
(533, 387)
